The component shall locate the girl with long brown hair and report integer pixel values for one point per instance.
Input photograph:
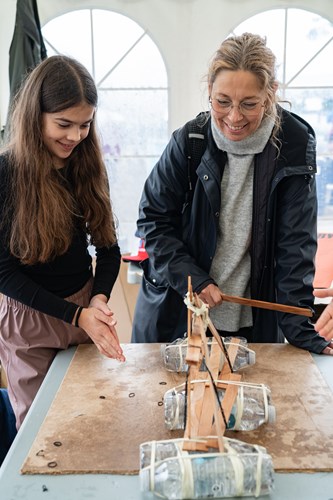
(54, 203)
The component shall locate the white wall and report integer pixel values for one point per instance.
(187, 33)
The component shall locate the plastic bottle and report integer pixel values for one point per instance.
(174, 354)
(241, 470)
(244, 357)
(251, 409)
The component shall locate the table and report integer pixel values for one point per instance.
(14, 486)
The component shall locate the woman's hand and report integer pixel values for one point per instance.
(98, 322)
(211, 295)
(324, 324)
(328, 349)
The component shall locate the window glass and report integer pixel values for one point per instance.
(60, 38)
(132, 116)
(304, 56)
(137, 70)
(141, 133)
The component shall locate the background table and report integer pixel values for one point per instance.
(14, 486)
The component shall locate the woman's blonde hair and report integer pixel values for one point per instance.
(248, 52)
(42, 204)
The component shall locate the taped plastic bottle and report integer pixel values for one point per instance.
(251, 409)
(174, 354)
(241, 470)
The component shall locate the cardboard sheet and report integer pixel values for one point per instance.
(104, 410)
(301, 440)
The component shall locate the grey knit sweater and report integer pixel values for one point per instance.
(231, 265)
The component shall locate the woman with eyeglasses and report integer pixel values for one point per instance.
(248, 226)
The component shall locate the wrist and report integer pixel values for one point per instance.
(77, 316)
(99, 297)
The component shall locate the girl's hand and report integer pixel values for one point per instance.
(98, 322)
(101, 302)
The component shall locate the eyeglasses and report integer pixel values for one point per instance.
(246, 108)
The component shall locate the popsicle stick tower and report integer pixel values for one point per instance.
(206, 415)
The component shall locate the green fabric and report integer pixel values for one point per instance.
(27, 48)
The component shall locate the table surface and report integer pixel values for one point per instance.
(15, 486)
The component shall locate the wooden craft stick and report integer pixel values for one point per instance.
(220, 424)
(189, 312)
(189, 333)
(220, 342)
(268, 305)
(206, 418)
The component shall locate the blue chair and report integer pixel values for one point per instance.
(7, 424)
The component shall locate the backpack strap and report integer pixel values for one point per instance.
(196, 138)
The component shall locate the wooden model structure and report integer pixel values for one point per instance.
(206, 415)
(206, 420)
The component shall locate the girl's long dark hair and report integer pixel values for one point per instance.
(42, 206)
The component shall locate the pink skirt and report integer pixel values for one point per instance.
(29, 341)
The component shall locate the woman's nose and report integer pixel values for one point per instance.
(235, 113)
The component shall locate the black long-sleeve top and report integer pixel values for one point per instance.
(45, 286)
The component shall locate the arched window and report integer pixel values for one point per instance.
(303, 44)
(133, 99)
